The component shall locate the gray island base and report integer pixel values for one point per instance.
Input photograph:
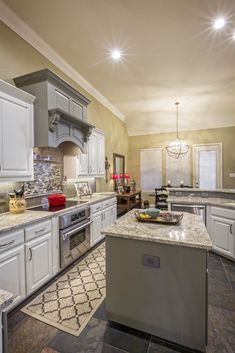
(157, 278)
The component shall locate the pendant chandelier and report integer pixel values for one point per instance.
(177, 148)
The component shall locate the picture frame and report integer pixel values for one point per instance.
(83, 188)
(120, 189)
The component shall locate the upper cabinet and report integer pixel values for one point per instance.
(60, 110)
(16, 134)
(91, 163)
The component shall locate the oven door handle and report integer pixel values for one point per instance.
(77, 229)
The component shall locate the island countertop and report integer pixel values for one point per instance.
(191, 232)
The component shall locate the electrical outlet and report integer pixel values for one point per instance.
(151, 261)
(232, 175)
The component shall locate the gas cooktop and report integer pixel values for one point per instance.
(48, 208)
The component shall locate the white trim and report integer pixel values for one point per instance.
(17, 93)
(24, 31)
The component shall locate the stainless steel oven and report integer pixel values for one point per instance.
(74, 235)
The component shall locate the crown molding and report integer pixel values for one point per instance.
(30, 36)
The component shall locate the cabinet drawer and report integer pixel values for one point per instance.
(109, 202)
(223, 212)
(34, 231)
(97, 207)
(11, 239)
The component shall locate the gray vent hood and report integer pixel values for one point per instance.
(60, 110)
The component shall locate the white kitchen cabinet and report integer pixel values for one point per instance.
(16, 134)
(101, 154)
(12, 272)
(92, 154)
(107, 220)
(97, 226)
(103, 214)
(38, 262)
(55, 244)
(223, 235)
(93, 162)
(222, 231)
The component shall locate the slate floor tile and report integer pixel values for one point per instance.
(30, 336)
(221, 338)
(87, 342)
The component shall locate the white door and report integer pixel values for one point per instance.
(207, 166)
(222, 233)
(16, 138)
(82, 164)
(12, 272)
(92, 151)
(96, 228)
(101, 154)
(38, 262)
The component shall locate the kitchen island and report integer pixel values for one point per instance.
(157, 278)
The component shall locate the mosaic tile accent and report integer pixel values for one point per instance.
(47, 178)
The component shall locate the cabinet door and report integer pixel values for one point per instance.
(96, 228)
(92, 158)
(113, 213)
(107, 217)
(76, 109)
(16, 138)
(101, 154)
(38, 262)
(82, 164)
(222, 232)
(12, 272)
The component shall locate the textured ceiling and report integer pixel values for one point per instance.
(171, 53)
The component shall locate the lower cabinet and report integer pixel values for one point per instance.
(12, 272)
(101, 219)
(38, 262)
(97, 226)
(222, 231)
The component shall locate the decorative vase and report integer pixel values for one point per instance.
(17, 205)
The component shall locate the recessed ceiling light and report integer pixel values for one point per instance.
(116, 54)
(219, 23)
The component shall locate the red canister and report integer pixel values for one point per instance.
(57, 200)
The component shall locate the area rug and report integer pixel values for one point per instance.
(71, 301)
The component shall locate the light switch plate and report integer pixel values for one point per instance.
(232, 175)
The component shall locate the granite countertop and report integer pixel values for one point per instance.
(10, 221)
(191, 232)
(194, 200)
(228, 191)
(5, 299)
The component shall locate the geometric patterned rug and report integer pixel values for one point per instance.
(71, 301)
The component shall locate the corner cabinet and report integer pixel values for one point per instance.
(93, 162)
(16, 134)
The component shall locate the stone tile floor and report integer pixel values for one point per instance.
(27, 335)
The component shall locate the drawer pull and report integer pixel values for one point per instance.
(29, 254)
(40, 230)
(231, 229)
(7, 244)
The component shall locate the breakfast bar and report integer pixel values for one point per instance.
(157, 278)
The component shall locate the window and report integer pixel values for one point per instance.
(151, 168)
(207, 166)
(178, 170)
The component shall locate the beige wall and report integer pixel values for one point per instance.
(224, 135)
(17, 58)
